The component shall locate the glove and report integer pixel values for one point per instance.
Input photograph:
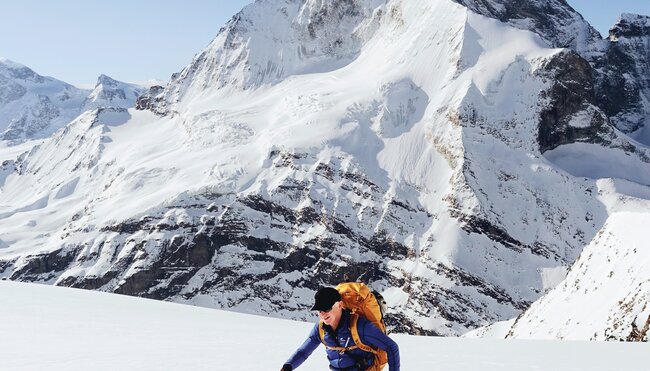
(286, 367)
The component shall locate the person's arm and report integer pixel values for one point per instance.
(304, 351)
(371, 335)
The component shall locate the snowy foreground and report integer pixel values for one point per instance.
(55, 328)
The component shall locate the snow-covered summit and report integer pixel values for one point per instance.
(630, 25)
(34, 106)
(112, 93)
(8, 63)
(17, 70)
(270, 40)
(554, 20)
(620, 62)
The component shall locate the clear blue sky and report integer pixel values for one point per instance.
(129, 40)
(133, 40)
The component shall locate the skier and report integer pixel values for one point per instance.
(342, 352)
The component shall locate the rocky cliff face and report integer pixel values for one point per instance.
(622, 82)
(318, 140)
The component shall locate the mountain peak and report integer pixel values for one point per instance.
(8, 63)
(33, 106)
(109, 92)
(554, 20)
(630, 25)
(270, 40)
(18, 71)
(106, 81)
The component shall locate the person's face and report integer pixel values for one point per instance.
(331, 316)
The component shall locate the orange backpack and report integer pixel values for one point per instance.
(361, 301)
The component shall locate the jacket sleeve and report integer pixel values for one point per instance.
(305, 350)
(371, 335)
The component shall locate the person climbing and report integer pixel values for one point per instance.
(337, 329)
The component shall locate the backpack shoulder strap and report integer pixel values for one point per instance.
(381, 357)
(354, 319)
(321, 332)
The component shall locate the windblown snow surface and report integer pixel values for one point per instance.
(62, 329)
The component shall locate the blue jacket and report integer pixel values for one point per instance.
(369, 335)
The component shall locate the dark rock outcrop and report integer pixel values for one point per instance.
(38, 267)
(623, 80)
(571, 93)
(148, 100)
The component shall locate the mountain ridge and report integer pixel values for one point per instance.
(35, 106)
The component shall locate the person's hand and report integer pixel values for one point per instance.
(286, 367)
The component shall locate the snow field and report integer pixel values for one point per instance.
(57, 329)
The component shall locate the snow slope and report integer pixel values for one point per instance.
(65, 329)
(589, 303)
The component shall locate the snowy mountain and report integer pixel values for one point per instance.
(619, 64)
(61, 329)
(453, 154)
(553, 20)
(112, 93)
(35, 107)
